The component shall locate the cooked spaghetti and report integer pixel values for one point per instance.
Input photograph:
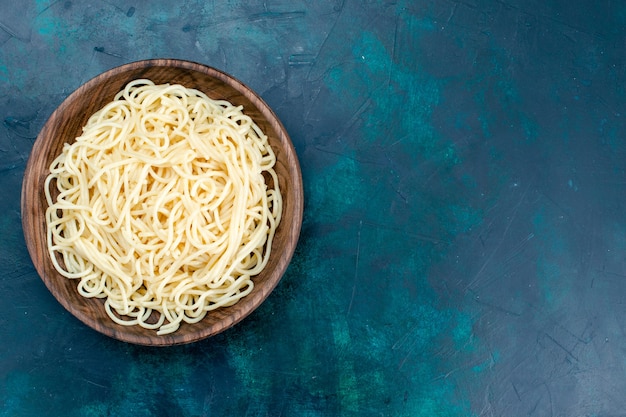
(165, 206)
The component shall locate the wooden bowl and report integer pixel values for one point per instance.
(66, 123)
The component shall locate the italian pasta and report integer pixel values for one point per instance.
(165, 206)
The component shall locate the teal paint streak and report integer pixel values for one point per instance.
(463, 331)
(4, 73)
(465, 218)
(610, 134)
(551, 263)
(15, 393)
(496, 95)
(488, 364)
(47, 27)
(529, 127)
(339, 188)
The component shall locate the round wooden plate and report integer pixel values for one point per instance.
(66, 123)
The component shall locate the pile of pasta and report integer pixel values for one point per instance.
(165, 206)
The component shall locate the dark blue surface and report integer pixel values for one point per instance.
(462, 251)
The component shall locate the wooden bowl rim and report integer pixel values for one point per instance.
(291, 160)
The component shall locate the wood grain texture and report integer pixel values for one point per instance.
(66, 123)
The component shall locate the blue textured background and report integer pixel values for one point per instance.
(463, 247)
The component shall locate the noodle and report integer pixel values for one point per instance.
(167, 206)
